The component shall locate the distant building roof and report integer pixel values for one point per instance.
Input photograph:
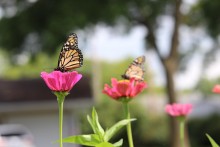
(30, 90)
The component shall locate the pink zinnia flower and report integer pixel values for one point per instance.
(61, 81)
(178, 109)
(216, 89)
(124, 88)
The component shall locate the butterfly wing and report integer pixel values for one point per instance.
(135, 70)
(70, 60)
(70, 56)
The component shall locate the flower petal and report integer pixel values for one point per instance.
(123, 88)
(216, 89)
(178, 109)
(59, 81)
(139, 87)
(110, 92)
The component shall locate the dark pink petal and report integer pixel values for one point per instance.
(49, 80)
(72, 79)
(58, 81)
(51, 83)
(57, 76)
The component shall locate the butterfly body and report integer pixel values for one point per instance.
(70, 56)
(135, 69)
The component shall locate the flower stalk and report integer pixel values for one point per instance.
(182, 129)
(129, 131)
(60, 99)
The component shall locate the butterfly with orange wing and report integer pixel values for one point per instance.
(135, 69)
(70, 56)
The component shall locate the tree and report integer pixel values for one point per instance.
(47, 22)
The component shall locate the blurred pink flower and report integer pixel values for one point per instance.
(124, 88)
(61, 81)
(178, 109)
(216, 89)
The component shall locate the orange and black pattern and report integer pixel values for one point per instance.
(70, 56)
(135, 70)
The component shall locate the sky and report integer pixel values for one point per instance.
(110, 46)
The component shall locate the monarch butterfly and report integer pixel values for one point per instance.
(70, 55)
(135, 69)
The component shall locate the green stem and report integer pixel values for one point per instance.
(182, 125)
(60, 98)
(129, 132)
(61, 123)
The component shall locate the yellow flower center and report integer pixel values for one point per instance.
(123, 81)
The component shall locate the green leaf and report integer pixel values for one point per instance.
(118, 143)
(89, 140)
(214, 144)
(98, 127)
(105, 144)
(91, 123)
(114, 129)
